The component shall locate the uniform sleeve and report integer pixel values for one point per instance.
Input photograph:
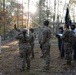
(75, 39)
(50, 33)
(72, 38)
(16, 28)
(33, 37)
(44, 37)
(18, 36)
(64, 35)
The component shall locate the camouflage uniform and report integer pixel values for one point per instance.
(24, 47)
(45, 41)
(68, 40)
(32, 43)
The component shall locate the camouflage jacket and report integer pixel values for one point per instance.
(23, 42)
(68, 36)
(46, 36)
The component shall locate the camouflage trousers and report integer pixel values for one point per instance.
(32, 49)
(25, 57)
(46, 54)
(68, 52)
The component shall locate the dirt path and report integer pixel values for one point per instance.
(9, 61)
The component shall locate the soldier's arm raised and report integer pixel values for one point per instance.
(16, 28)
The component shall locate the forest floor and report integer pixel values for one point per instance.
(10, 61)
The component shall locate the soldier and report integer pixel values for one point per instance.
(32, 41)
(60, 44)
(73, 28)
(18, 30)
(24, 46)
(45, 42)
(68, 39)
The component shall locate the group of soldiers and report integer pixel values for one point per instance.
(26, 44)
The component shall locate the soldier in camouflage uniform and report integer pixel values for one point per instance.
(32, 41)
(45, 42)
(73, 28)
(18, 30)
(24, 46)
(68, 40)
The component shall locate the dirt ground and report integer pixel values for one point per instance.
(10, 61)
